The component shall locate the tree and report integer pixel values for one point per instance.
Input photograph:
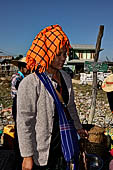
(19, 57)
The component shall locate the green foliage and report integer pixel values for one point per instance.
(112, 69)
(19, 57)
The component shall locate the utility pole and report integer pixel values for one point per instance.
(94, 91)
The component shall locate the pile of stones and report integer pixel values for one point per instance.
(103, 116)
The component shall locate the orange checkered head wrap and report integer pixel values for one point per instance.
(45, 47)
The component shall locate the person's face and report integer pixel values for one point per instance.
(59, 60)
(24, 70)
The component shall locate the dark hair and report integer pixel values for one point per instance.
(21, 64)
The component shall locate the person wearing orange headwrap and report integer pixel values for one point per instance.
(37, 118)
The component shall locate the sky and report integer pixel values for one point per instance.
(22, 20)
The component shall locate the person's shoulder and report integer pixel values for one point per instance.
(29, 80)
(65, 75)
(29, 77)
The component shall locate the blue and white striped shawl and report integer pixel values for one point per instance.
(69, 139)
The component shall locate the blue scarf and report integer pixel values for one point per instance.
(69, 139)
(21, 74)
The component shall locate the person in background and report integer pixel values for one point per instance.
(107, 86)
(15, 81)
(43, 140)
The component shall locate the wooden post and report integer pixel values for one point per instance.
(94, 91)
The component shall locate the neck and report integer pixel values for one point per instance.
(55, 74)
(51, 70)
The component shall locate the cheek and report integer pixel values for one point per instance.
(55, 64)
(56, 61)
(25, 70)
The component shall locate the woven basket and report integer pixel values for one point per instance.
(95, 148)
(96, 134)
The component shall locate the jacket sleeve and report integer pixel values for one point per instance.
(26, 115)
(72, 108)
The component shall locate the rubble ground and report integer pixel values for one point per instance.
(5, 88)
(83, 93)
(103, 115)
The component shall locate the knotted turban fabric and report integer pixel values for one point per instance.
(45, 47)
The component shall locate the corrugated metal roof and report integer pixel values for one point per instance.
(5, 53)
(83, 47)
(1, 60)
(6, 57)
